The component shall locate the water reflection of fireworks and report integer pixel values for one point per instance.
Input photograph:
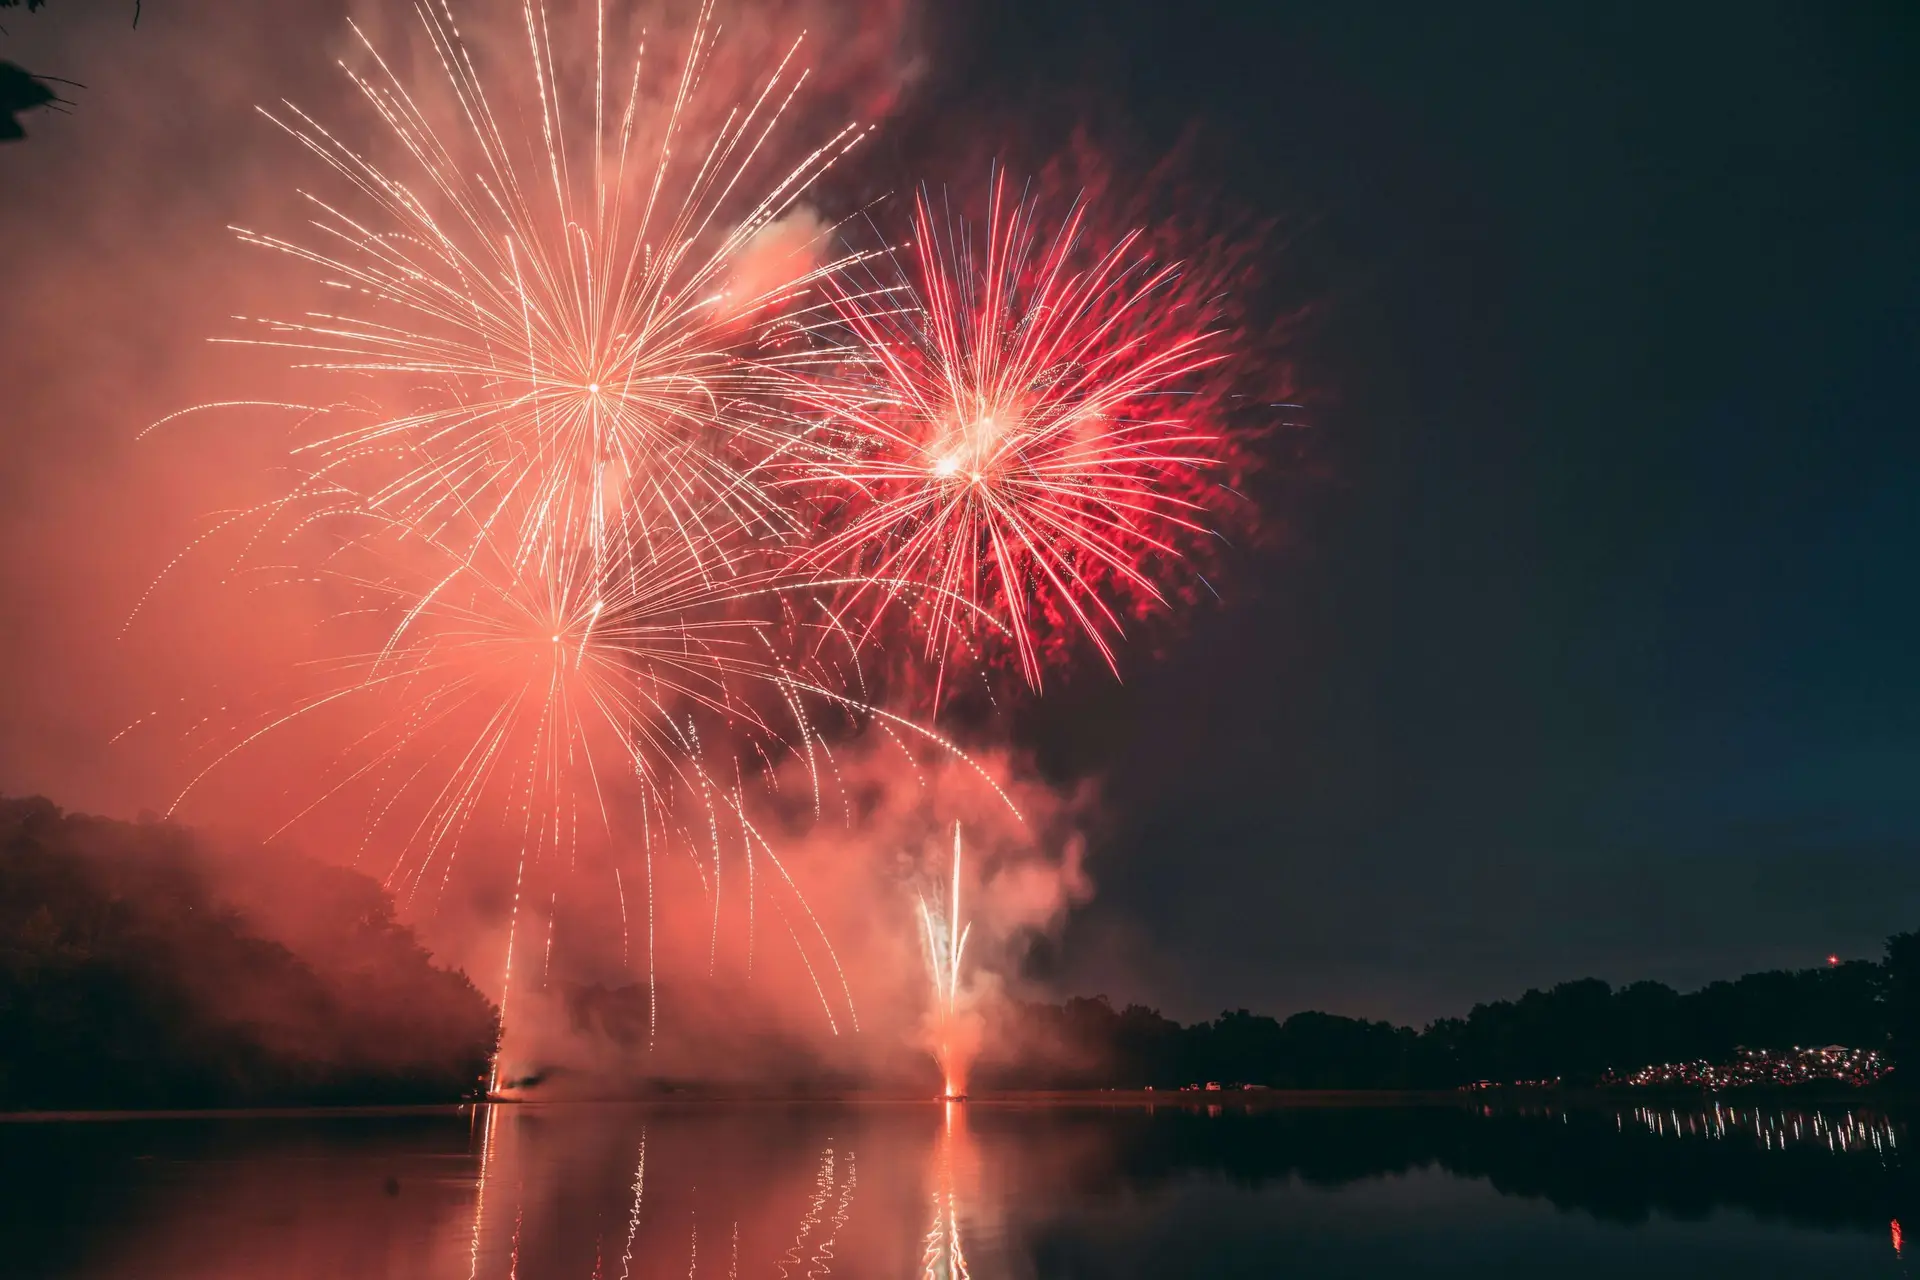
(1843, 1133)
(816, 1234)
(945, 1255)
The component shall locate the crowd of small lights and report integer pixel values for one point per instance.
(1774, 1131)
(1833, 1064)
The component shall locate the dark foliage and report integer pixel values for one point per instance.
(140, 968)
(1575, 1031)
(20, 91)
(1901, 996)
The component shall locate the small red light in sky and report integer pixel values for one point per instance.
(1833, 959)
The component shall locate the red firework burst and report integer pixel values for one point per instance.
(1024, 450)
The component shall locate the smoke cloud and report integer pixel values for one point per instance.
(139, 652)
(823, 980)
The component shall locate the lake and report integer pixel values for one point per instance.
(981, 1189)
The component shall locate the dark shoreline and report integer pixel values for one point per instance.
(1236, 1099)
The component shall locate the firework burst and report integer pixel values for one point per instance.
(581, 324)
(536, 511)
(1018, 450)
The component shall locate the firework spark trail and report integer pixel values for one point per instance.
(546, 960)
(1016, 439)
(620, 890)
(946, 945)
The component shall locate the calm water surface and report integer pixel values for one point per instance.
(593, 1192)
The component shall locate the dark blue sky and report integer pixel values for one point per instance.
(1595, 653)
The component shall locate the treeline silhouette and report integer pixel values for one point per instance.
(1575, 1032)
(141, 967)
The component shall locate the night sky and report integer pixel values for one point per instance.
(1594, 652)
(1587, 645)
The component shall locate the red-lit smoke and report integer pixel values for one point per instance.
(561, 580)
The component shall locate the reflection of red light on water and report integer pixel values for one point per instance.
(1896, 1237)
(955, 1172)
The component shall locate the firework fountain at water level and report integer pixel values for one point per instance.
(946, 947)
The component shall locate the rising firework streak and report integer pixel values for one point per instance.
(946, 947)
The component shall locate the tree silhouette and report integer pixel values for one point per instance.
(139, 967)
(21, 90)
